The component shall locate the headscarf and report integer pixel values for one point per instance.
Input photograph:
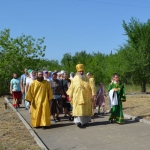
(31, 76)
(44, 72)
(72, 75)
(29, 71)
(62, 71)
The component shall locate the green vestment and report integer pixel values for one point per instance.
(116, 111)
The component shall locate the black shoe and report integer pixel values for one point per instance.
(71, 118)
(58, 119)
(43, 128)
(79, 125)
(95, 114)
(54, 120)
(111, 121)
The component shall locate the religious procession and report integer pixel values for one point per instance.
(47, 95)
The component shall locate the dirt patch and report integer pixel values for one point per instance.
(136, 105)
(13, 133)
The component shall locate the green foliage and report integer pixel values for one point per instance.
(131, 60)
(137, 51)
(16, 54)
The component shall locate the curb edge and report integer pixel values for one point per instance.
(136, 119)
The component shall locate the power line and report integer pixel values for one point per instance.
(101, 2)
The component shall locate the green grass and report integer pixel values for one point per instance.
(136, 88)
(131, 88)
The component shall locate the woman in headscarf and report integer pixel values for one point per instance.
(46, 75)
(29, 80)
(72, 74)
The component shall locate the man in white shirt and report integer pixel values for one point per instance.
(22, 84)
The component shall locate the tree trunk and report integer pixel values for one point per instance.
(143, 86)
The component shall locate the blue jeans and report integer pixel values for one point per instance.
(24, 101)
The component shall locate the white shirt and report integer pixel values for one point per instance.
(28, 82)
(47, 79)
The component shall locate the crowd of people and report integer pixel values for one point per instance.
(46, 93)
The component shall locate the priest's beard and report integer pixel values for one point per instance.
(81, 76)
(40, 79)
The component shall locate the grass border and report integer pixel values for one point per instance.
(29, 128)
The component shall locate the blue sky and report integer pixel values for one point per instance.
(71, 26)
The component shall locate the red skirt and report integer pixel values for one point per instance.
(17, 95)
(17, 98)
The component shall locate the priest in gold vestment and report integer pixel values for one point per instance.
(39, 95)
(80, 92)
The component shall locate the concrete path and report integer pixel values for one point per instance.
(97, 135)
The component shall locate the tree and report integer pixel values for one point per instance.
(16, 54)
(137, 51)
(67, 63)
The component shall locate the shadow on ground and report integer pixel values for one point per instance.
(142, 116)
(59, 125)
(129, 121)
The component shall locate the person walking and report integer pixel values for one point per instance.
(80, 92)
(116, 92)
(66, 102)
(15, 90)
(57, 101)
(46, 75)
(23, 84)
(29, 80)
(92, 82)
(39, 96)
(100, 98)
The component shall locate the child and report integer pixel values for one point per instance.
(117, 96)
(100, 100)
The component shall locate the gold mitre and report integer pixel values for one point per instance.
(80, 67)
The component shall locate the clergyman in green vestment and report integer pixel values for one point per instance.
(116, 92)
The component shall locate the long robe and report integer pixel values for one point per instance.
(39, 95)
(80, 91)
(116, 110)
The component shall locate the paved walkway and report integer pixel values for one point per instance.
(97, 135)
